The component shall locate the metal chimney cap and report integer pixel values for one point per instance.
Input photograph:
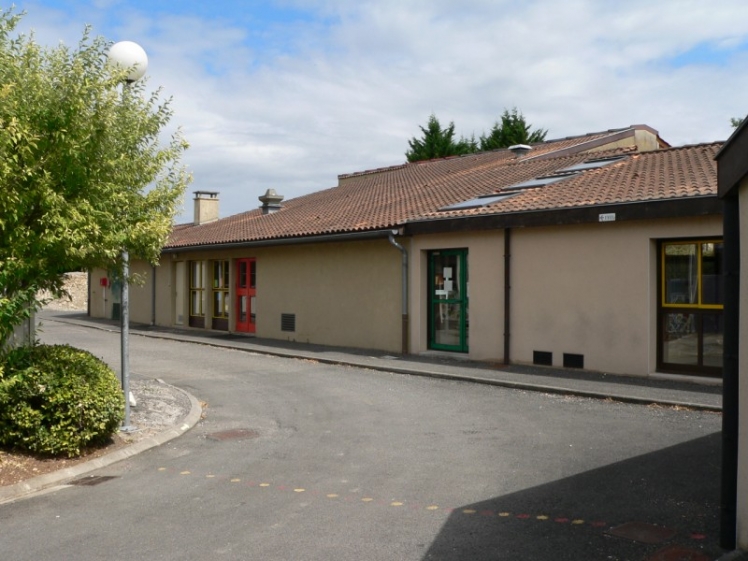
(271, 197)
(520, 149)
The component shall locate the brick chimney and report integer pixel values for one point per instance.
(206, 207)
(271, 201)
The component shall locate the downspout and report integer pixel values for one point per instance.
(730, 374)
(153, 295)
(507, 288)
(404, 282)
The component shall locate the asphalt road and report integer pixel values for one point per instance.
(301, 461)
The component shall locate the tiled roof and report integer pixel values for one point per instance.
(673, 173)
(414, 192)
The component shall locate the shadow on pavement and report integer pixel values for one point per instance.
(676, 489)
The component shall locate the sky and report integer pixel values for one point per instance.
(289, 94)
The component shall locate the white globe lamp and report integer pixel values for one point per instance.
(127, 55)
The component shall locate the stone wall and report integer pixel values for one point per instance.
(76, 285)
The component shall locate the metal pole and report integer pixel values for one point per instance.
(125, 338)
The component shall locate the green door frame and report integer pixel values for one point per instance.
(442, 302)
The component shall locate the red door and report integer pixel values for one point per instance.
(246, 275)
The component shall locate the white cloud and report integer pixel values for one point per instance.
(291, 108)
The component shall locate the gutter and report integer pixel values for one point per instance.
(367, 235)
(404, 283)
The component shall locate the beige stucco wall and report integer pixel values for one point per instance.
(592, 290)
(346, 294)
(642, 139)
(742, 490)
(486, 296)
(587, 289)
(101, 299)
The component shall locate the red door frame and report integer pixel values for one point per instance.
(246, 290)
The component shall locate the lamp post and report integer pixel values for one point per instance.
(130, 56)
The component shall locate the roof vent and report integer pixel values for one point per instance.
(271, 201)
(206, 207)
(520, 150)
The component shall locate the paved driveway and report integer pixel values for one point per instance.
(297, 460)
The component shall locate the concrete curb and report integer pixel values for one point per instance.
(524, 386)
(399, 369)
(35, 484)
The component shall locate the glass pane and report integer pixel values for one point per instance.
(217, 303)
(252, 309)
(196, 274)
(446, 277)
(242, 274)
(196, 308)
(711, 273)
(447, 324)
(714, 328)
(225, 275)
(681, 274)
(252, 275)
(680, 341)
(242, 309)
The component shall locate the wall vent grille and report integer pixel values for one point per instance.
(288, 322)
(543, 358)
(573, 360)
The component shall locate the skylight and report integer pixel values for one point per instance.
(594, 164)
(538, 182)
(483, 200)
(562, 174)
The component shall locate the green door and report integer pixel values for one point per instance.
(448, 300)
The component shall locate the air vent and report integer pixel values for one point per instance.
(288, 322)
(542, 358)
(573, 360)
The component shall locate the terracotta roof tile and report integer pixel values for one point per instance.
(413, 192)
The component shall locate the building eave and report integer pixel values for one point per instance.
(637, 210)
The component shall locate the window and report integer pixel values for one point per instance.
(197, 293)
(221, 289)
(691, 324)
(483, 200)
(196, 289)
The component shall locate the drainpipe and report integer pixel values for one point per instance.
(730, 374)
(507, 287)
(153, 295)
(404, 283)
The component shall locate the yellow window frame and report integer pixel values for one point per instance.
(663, 288)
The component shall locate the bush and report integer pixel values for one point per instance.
(57, 400)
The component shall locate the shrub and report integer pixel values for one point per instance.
(57, 400)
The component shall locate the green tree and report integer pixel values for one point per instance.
(438, 143)
(513, 129)
(83, 171)
(735, 122)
